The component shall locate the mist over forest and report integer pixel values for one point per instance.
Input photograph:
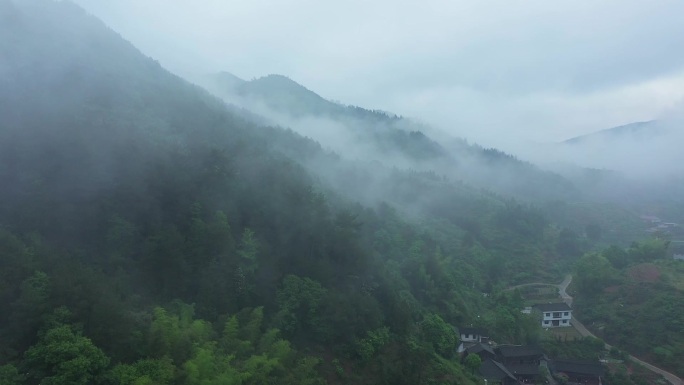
(194, 227)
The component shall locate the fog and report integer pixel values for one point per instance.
(651, 152)
(381, 144)
(499, 73)
(517, 77)
(633, 165)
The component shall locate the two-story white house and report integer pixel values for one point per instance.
(555, 314)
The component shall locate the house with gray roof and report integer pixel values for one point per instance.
(483, 350)
(495, 373)
(579, 372)
(520, 354)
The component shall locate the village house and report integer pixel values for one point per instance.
(509, 364)
(555, 314)
(473, 335)
(578, 372)
(483, 350)
(527, 373)
(520, 354)
(495, 373)
(525, 364)
(470, 337)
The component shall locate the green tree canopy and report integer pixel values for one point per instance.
(473, 362)
(63, 357)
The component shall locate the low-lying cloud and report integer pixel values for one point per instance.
(495, 72)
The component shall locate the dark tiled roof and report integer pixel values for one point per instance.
(476, 331)
(495, 371)
(479, 348)
(523, 369)
(591, 368)
(559, 306)
(510, 351)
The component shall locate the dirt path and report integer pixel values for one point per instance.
(529, 284)
(562, 287)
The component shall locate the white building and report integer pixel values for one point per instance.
(555, 314)
(473, 335)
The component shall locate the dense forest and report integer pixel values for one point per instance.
(152, 234)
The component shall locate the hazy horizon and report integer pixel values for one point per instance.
(501, 74)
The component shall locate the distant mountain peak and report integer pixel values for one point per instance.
(228, 81)
(278, 77)
(281, 83)
(637, 130)
(279, 93)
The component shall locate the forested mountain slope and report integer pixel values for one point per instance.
(151, 234)
(579, 199)
(358, 133)
(614, 200)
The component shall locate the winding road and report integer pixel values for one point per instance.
(668, 376)
(562, 287)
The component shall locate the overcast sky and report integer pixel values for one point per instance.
(494, 71)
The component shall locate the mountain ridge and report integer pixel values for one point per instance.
(391, 138)
(644, 129)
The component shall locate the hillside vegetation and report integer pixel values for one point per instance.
(632, 298)
(151, 234)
